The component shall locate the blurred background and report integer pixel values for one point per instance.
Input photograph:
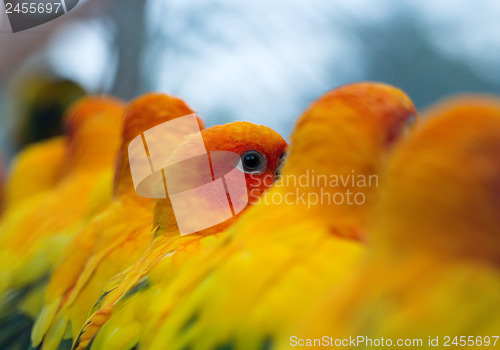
(256, 60)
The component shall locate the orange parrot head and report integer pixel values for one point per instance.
(142, 114)
(259, 150)
(240, 163)
(338, 147)
(93, 127)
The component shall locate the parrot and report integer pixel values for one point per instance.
(39, 102)
(46, 157)
(430, 276)
(33, 233)
(113, 240)
(245, 289)
(2, 184)
(259, 152)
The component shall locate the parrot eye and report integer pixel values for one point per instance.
(253, 162)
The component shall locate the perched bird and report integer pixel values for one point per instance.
(33, 233)
(39, 103)
(254, 282)
(2, 185)
(36, 168)
(432, 273)
(258, 152)
(112, 240)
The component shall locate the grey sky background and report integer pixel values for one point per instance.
(265, 61)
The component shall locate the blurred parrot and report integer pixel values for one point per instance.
(2, 184)
(35, 169)
(40, 101)
(112, 240)
(249, 286)
(259, 151)
(33, 233)
(432, 268)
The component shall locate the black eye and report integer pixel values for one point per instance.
(253, 161)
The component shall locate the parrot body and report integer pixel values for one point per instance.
(35, 169)
(431, 272)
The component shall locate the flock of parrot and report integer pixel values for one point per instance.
(87, 263)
